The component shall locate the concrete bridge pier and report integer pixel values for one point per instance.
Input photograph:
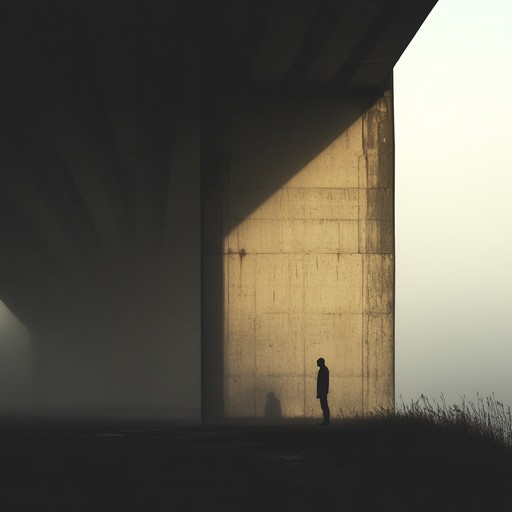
(298, 254)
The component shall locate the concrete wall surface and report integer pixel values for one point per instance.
(131, 337)
(298, 257)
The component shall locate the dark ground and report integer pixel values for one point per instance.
(150, 465)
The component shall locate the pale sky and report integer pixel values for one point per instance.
(453, 126)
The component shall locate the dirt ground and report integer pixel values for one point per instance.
(160, 465)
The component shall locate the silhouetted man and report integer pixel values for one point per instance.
(322, 388)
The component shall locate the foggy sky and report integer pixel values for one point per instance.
(453, 106)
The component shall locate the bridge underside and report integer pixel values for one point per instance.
(201, 194)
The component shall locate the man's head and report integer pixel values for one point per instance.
(320, 362)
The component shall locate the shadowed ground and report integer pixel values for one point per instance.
(153, 465)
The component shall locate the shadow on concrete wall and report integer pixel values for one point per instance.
(272, 407)
(283, 136)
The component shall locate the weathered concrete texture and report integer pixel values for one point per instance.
(304, 206)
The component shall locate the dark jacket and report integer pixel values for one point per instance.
(322, 382)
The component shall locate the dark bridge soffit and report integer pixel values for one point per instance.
(309, 44)
(93, 91)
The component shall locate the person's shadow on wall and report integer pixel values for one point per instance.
(272, 407)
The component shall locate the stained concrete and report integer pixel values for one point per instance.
(300, 237)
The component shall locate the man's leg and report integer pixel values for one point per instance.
(327, 413)
(325, 409)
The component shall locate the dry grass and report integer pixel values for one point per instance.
(488, 417)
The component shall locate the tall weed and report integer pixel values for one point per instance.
(487, 416)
